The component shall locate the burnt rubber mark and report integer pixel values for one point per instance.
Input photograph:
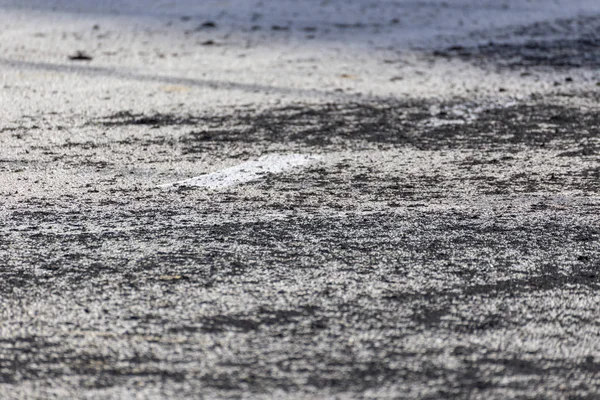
(80, 56)
(561, 53)
(449, 245)
(156, 120)
(559, 44)
(395, 123)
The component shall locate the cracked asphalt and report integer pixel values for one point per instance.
(444, 244)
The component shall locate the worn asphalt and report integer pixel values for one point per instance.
(442, 241)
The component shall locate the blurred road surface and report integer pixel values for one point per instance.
(317, 199)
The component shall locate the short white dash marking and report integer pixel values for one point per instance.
(247, 171)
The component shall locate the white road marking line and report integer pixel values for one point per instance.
(247, 171)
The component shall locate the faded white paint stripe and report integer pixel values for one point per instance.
(247, 171)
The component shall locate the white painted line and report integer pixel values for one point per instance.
(247, 171)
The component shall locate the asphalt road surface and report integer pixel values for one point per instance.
(332, 199)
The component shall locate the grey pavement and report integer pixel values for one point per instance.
(435, 235)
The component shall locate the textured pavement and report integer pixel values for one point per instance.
(444, 241)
